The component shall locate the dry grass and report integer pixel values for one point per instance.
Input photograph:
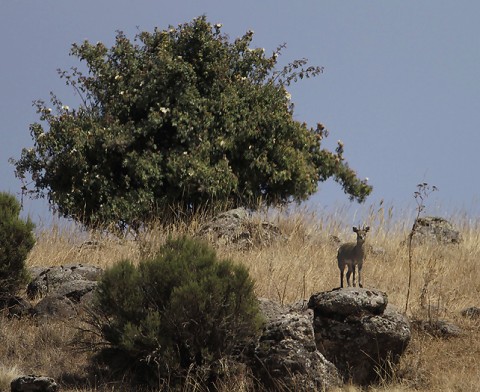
(446, 280)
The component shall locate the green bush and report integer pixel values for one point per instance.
(181, 116)
(16, 240)
(181, 311)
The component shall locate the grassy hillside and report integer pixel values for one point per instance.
(446, 279)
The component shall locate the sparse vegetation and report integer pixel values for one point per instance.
(288, 270)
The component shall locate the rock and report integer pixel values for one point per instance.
(286, 357)
(435, 230)
(359, 332)
(341, 303)
(235, 227)
(439, 328)
(55, 305)
(65, 289)
(33, 383)
(228, 228)
(334, 241)
(472, 312)
(271, 310)
(376, 251)
(53, 279)
(76, 289)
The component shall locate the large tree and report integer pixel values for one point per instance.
(181, 117)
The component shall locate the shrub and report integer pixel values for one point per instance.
(183, 117)
(182, 310)
(16, 240)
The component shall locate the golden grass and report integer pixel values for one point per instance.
(7, 374)
(446, 280)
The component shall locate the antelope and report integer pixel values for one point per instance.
(352, 254)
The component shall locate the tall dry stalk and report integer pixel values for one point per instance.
(422, 193)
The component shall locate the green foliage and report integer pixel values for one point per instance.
(179, 117)
(182, 310)
(16, 240)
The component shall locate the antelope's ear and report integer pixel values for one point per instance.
(355, 229)
(367, 228)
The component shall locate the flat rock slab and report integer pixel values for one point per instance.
(348, 301)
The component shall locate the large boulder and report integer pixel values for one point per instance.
(435, 230)
(64, 290)
(72, 280)
(237, 228)
(359, 332)
(285, 357)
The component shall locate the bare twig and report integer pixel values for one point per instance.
(423, 191)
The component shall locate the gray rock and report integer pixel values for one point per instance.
(76, 289)
(435, 230)
(376, 251)
(65, 290)
(286, 357)
(32, 383)
(236, 228)
(348, 301)
(358, 332)
(439, 328)
(50, 280)
(228, 228)
(334, 241)
(55, 305)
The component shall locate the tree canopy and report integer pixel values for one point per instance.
(184, 117)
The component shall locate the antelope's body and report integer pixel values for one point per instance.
(352, 255)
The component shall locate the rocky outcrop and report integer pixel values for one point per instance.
(342, 335)
(435, 230)
(359, 332)
(60, 278)
(285, 357)
(63, 289)
(236, 228)
(33, 383)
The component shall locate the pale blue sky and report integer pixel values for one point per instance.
(400, 88)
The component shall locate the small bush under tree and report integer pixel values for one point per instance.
(16, 241)
(179, 312)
